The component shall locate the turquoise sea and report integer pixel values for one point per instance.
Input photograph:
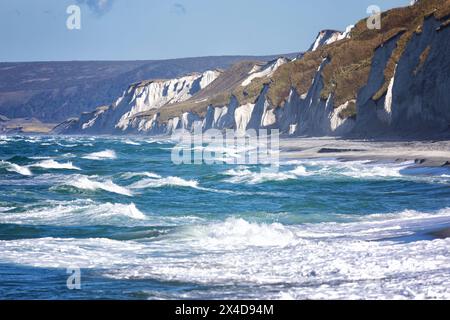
(140, 227)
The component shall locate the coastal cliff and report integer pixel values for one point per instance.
(361, 83)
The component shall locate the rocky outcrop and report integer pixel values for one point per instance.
(264, 71)
(221, 117)
(326, 37)
(420, 89)
(417, 102)
(372, 116)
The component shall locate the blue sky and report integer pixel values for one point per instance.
(35, 30)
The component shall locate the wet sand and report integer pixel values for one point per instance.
(441, 234)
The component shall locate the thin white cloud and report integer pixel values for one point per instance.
(178, 8)
(99, 7)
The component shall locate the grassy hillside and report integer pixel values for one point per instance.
(218, 93)
(347, 71)
(350, 59)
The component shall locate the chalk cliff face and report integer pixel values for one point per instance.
(355, 83)
(264, 71)
(121, 116)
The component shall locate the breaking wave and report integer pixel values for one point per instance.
(354, 169)
(129, 175)
(163, 182)
(102, 155)
(87, 183)
(77, 212)
(245, 175)
(52, 164)
(131, 142)
(315, 261)
(12, 167)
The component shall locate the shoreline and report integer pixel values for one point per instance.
(423, 153)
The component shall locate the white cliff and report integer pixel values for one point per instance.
(265, 71)
(415, 99)
(157, 94)
(385, 114)
(122, 115)
(243, 114)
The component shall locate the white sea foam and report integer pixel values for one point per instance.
(156, 181)
(300, 171)
(52, 164)
(131, 142)
(12, 167)
(66, 145)
(367, 170)
(102, 155)
(316, 261)
(252, 177)
(239, 232)
(163, 182)
(355, 169)
(87, 183)
(78, 212)
(129, 175)
(32, 140)
(86, 212)
(69, 155)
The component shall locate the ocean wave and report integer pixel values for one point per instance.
(239, 232)
(32, 140)
(244, 175)
(52, 164)
(368, 170)
(129, 175)
(87, 183)
(156, 181)
(69, 155)
(66, 145)
(299, 259)
(300, 171)
(87, 212)
(160, 142)
(355, 169)
(12, 167)
(102, 155)
(131, 142)
(77, 212)
(6, 209)
(163, 182)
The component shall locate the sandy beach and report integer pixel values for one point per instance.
(424, 153)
